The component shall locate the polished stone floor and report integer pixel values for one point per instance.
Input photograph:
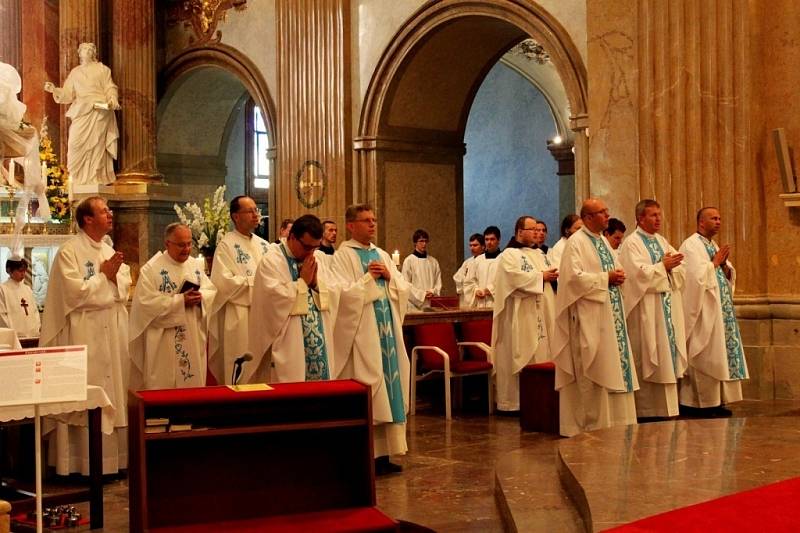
(452, 469)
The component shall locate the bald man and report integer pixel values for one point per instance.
(717, 364)
(595, 374)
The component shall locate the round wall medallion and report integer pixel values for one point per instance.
(310, 184)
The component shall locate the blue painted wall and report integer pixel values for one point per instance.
(508, 171)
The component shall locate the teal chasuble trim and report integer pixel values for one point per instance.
(656, 256)
(313, 333)
(733, 339)
(607, 264)
(383, 316)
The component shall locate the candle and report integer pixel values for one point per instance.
(396, 258)
(12, 166)
(44, 172)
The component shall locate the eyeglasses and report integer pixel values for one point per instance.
(181, 244)
(367, 220)
(252, 211)
(105, 211)
(528, 229)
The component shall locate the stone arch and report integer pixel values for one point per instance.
(418, 101)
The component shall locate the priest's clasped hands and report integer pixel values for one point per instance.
(616, 277)
(550, 275)
(378, 270)
(110, 266)
(308, 271)
(192, 297)
(672, 260)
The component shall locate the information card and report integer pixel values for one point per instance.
(43, 375)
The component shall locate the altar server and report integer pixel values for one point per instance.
(18, 310)
(422, 271)
(480, 283)
(475, 248)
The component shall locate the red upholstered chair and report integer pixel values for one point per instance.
(442, 353)
(479, 331)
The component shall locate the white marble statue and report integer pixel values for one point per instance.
(93, 134)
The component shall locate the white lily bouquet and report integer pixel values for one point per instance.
(208, 224)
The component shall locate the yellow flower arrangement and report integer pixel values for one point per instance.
(55, 178)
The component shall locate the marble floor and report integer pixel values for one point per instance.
(452, 469)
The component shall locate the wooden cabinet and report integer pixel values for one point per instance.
(250, 456)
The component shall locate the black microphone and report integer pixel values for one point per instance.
(237, 367)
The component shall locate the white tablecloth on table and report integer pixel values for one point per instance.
(70, 412)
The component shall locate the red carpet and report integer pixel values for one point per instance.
(772, 508)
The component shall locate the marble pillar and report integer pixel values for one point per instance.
(134, 72)
(10, 33)
(40, 63)
(670, 117)
(313, 41)
(79, 21)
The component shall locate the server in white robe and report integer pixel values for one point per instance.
(369, 337)
(169, 317)
(595, 373)
(295, 301)
(569, 225)
(327, 246)
(519, 333)
(422, 271)
(235, 262)
(476, 248)
(18, 310)
(654, 311)
(480, 280)
(85, 304)
(717, 362)
(615, 233)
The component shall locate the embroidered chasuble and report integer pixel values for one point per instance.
(316, 351)
(383, 316)
(733, 339)
(607, 264)
(656, 256)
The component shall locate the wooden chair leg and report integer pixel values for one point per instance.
(447, 406)
(490, 394)
(412, 389)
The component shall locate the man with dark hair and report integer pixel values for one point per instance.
(476, 248)
(520, 334)
(169, 317)
(480, 282)
(717, 363)
(18, 309)
(283, 231)
(540, 235)
(569, 225)
(85, 304)
(422, 272)
(654, 312)
(595, 374)
(235, 263)
(370, 342)
(327, 246)
(294, 309)
(615, 232)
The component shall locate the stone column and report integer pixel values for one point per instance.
(133, 68)
(565, 157)
(10, 33)
(78, 22)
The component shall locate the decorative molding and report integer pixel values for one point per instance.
(202, 17)
(532, 50)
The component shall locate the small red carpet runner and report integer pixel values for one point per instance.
(773, 508)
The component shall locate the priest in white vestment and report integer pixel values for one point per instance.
(169, 317)
(595, 373)
(369, 337)
(714, 348)
(235, 262)
(422, 271)
(295, 302)
(480, 281)
(569, 225)
(654, 310)
(519, 332)
(18, 309)
(85, 304)
(476, 248)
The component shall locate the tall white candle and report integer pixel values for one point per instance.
(44, 172)
(396, 258)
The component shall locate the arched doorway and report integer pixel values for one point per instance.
(410, 144)
(216, 126)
